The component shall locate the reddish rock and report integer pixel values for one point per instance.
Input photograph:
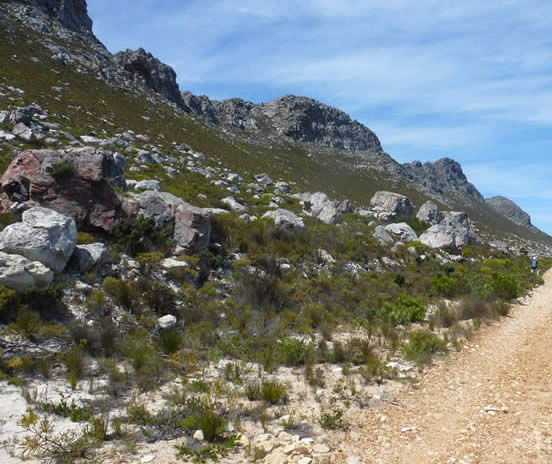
(87, 194)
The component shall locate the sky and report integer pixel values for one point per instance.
(470, 80)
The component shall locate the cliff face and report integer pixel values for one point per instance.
(73, 14)
(156, 75)
(441, 177)
(299, 119)
(510, 210)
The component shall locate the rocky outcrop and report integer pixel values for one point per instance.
(21, 274)
(77, 182)
(73, 14)
(382, 236)
(510, 210)
(284, 219)
(444, 236)
(156, 75)
(299, 119)
(191, 225)
(429, 213)
(442, 177)
(44, 235)
(387, 205)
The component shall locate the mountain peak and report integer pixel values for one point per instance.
(510, 210)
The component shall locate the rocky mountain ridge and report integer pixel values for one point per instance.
(510, 210)
(314, 126)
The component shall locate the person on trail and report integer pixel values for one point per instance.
(535, 265)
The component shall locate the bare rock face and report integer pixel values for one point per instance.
(389, 204)
(510, 210)
(440, 177)
(155, 74)
(84, 191)
(299, 119)
(44, 235)
(402, 231)
(73, 14)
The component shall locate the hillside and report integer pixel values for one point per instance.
(201, 281)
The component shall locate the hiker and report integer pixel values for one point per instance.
(535, 265)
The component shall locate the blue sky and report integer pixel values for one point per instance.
(470, 80)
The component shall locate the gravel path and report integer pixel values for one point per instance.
(490, 403)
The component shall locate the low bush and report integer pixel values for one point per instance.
(403, 310)
(421, 346)
(274, 391)
(123, 293)
(62, 170)
(141, 235)
(505, 286)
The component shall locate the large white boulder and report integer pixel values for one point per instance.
(444, 236)
(389, 204)
(430, 213)
(402, 231)
(44, 235)
(20, 273)
(284, 219)
(382, 235)
(234, 204)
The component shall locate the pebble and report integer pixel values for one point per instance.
(198, 435)
(147, 458)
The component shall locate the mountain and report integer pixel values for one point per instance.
(510, 210)
(294, 137)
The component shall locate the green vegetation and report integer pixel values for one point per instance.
(62, 170)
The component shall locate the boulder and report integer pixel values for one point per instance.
(21, 274)
(284, 219)
(234, 204)
(282, 188)
(171, 263)
(444, 236)
(345, 207)
(402, 231)
(87, 257)
(320, 206)
(44, 235)
(149, 184)
(192, 225)
(167, 321)
(264, 179)
(84, 191)
(383, 236)
(192, 228)
(389, 204)
(430, 213)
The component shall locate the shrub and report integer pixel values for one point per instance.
(84, 238)
(48, 302)
(274, 391)
(123, 293)
(141, 235)
(290, 351)
(170, 341)
(505, 286)
(471, 308)
(6, 219)
(75, 363)
(445, 285)
(62, 170)
(9, 303)
(422, 345)
(211, 424)
(28, 322)
(332, 420)
(253, 391)
(403, 310)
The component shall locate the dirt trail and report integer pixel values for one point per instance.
(490, 403)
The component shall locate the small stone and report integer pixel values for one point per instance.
(147, 458)
(166, 322)
(198, 435)
(321, 448)
(305, 460)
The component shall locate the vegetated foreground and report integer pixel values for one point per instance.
(489, 404)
